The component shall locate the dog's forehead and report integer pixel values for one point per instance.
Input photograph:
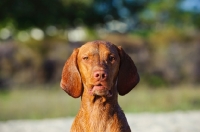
(98, 46)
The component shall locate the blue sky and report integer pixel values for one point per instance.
(191, 5)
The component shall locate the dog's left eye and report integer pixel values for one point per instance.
(111, 58)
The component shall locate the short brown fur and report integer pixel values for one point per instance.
(98, 71)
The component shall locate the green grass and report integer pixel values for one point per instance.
(52, 102)
(162, 100)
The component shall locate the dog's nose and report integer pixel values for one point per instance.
(100, 75)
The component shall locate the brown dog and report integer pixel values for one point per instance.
(98, 71)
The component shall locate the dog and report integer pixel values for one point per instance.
(98, 71)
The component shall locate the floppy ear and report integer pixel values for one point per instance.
(128, 76)
(71, 80)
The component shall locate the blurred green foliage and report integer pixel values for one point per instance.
(62, 13)
(143, 14)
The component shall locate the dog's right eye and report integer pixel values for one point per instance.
(85, 58)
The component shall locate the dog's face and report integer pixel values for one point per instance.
(98, 65)
(95, 67)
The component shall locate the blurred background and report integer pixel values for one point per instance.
(37, 37)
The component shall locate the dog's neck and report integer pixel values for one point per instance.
(101, 112)
(99, 103)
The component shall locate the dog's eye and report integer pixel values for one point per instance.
(85, 58)
(111, 58)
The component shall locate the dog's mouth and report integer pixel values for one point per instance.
(100, 90)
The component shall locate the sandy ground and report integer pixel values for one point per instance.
(144, 122)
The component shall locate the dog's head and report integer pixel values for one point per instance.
(99, 66)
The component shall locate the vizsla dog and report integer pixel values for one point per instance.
(98, 71)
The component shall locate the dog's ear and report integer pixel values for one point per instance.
(128, 76)
(71, 80)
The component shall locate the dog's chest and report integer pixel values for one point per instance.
(102, 119)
